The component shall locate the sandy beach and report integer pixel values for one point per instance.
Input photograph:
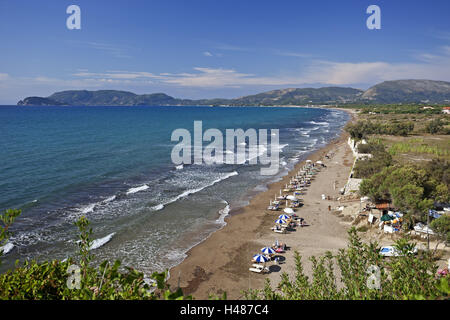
(221, 262)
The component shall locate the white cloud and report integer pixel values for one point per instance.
(208, 54)
(218, 77)
(113, 50)
(427, 65)
(125, 75)
(292, 54)
(229, 47)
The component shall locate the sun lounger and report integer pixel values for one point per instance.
(259, 269)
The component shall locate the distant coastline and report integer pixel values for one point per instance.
(388, 92)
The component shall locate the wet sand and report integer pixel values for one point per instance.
(221, 262)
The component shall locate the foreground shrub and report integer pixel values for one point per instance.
(78, 279)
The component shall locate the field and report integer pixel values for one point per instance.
(418, 145)
(415, 148)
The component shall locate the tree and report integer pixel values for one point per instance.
(375, 187)
(368, 167)
(441, 226)
(409, 188)
(434, 126)
(441, 193)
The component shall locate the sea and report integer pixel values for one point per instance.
(113, 165)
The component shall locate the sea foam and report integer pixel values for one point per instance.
(137, 189)
(7, 248)
(192, 191)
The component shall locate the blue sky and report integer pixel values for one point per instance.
(206, 49)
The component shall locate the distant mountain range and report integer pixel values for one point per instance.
(399, 91)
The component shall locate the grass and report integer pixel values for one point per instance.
(420, 120)
(362, 229)
(416, 148)
(419, 145)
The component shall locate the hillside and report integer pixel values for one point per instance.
(403, 91)
(399, 91)
(111, 98)
(296, 96)
(38, 101)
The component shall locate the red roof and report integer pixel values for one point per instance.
(380, 206)
(446, 108)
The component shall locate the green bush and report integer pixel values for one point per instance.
(78, 279)
(362, 229)
(363, 128)
(396, 109)
(441, 226)
(411, 189)
(434, 126)
(368, 167)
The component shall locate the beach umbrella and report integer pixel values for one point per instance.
(291, 198)
(386, 217)
(308, 161)
(284, 216)
(267, 250)
(288, 211)
(280, 221)
(319, 162)
(260, 258)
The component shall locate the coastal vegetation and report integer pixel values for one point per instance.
(441, 226)
(379, 159)
(435, 126)
(417, 147)
(76, 278)
(363, 128)
(412, 187)
(405, 277)
(408, 167)
(391, 109)
(409, 162)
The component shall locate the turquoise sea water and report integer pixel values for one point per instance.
(113, 165)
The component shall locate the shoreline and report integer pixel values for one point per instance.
(246, 230)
